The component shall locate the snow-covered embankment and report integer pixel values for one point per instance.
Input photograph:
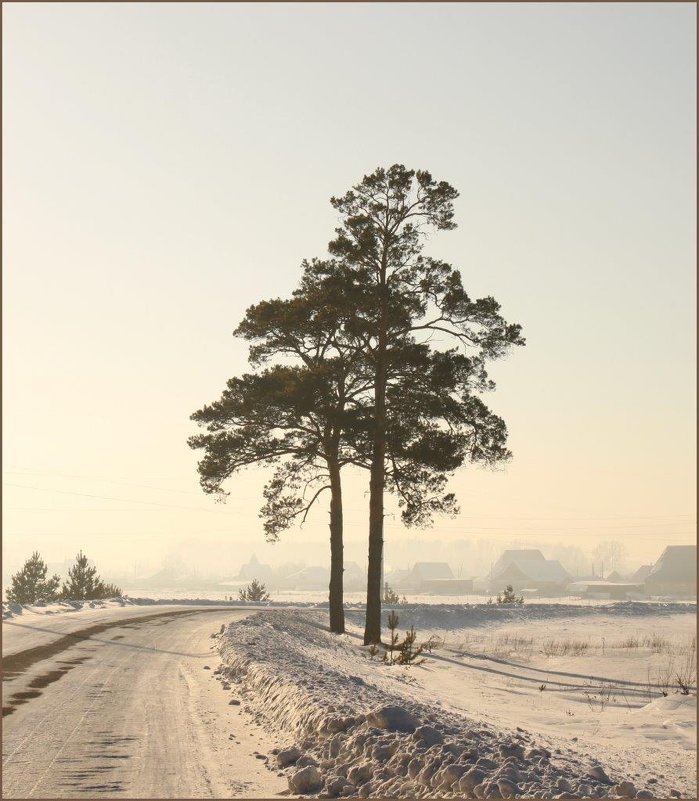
(348, 736)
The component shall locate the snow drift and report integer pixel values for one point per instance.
(350, 737)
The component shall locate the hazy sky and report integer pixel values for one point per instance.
(165, 166)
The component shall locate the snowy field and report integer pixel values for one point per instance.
(320, 597)
(517, 701)
(559, 700)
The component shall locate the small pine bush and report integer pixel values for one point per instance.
(508, 596)
(409, 651)
(111, 591)
(255, 591)
(83, 583)
(397, 652)
(30, 584)
(389, 596)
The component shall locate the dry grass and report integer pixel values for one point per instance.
(567, 647)
(655, 642)
(599, 696)
(686, 673)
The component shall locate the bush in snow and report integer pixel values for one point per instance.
(255, 591)
(407, 650)
(390, 596)
(687, 674)
(508, 596)
(392, 623)
(83, 583)
(30, 584)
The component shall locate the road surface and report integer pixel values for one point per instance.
(128, 708)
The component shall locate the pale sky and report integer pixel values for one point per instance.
(166, 166)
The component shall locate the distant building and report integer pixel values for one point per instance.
(354, 578)
(641, 574)
(313, 577)
(431, 578)
(254, 569)
(604, 589)
(446, 586)
(399, 579)
(429, 571)
(526, 568)
(675, 572)
(436, 578)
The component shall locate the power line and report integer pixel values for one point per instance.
(346, 507)
(103, 478)
(111, 498)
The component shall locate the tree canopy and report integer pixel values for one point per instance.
(346, 372)
(384, 221)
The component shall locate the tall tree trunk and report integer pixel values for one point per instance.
(372, 629)
(337, 612)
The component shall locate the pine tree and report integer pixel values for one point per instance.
(255, 591)
(83, 582)
(509, 597)
(30, 583)
(384, 222)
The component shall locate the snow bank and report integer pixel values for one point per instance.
(10, 610)
(350, 737)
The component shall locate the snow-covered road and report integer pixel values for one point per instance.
(129, 709)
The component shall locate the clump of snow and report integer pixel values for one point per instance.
(350, 737)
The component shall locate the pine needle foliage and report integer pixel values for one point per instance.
(31, 584)
(255, 591)
(83, 583)
(508, 596)
(405, 652)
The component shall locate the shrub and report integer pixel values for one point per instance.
(83, 583)
(389, 595)
(687, 674)
(508, 596)
(255, 591)
(392, 622)
(407, 650)
(30, 584)
(111, 591)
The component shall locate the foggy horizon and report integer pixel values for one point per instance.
(174, 188)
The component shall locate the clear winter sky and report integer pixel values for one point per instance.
(166, 166)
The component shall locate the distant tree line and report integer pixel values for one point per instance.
(376, 361)
(32, 584)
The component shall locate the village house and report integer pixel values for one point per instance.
(528, 571)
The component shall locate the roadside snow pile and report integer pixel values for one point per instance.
(348, 737)
(10, 609)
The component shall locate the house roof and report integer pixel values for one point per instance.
(515, 554)
(311, 573)
(531, 564)
(677, 564)
(397, 575)
(432, 570)
(642, 573)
